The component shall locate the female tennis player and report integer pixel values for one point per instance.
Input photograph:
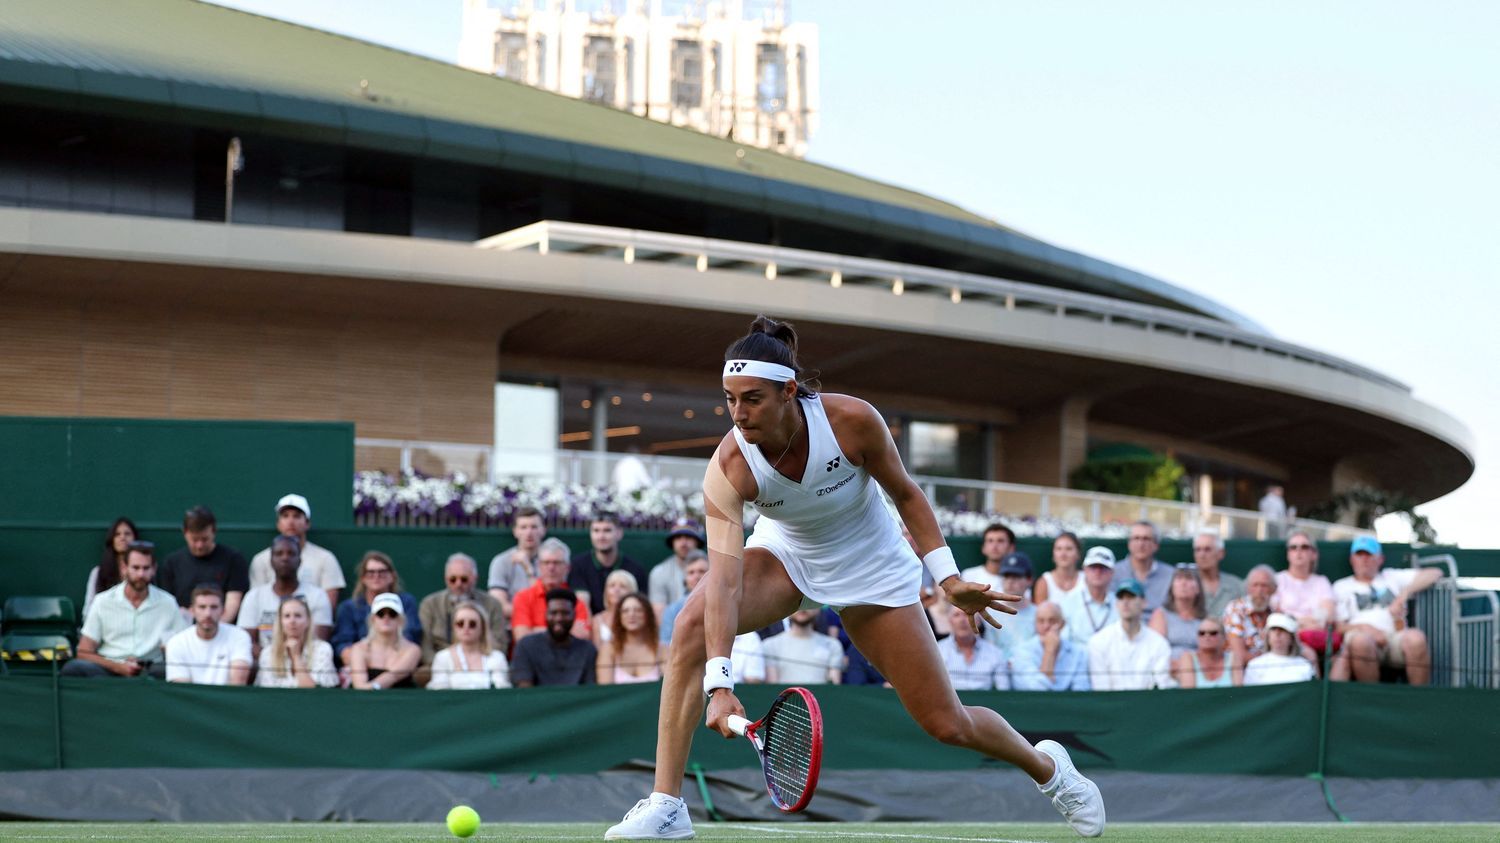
(805, 462)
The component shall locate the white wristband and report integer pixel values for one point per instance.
(718, 673)
(940, 563)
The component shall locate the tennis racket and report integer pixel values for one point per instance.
(789, 742)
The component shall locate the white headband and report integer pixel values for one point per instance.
(759, 369)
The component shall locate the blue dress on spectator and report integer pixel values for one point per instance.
(351, 623)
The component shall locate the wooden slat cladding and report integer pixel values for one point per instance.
(66, 352)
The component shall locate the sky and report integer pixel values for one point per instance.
(1327, 169)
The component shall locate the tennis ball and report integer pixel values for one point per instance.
(463, 821)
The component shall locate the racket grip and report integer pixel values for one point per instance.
(738, 724)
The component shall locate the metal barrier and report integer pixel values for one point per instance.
(1462, 628)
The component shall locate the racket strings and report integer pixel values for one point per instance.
(788, 733)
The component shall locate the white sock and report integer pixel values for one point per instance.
(658, 796)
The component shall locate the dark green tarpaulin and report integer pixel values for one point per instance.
(1376, 732)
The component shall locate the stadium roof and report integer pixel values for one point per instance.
(187, 61)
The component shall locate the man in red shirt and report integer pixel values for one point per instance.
(529, 611)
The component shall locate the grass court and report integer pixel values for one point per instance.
(805, 832)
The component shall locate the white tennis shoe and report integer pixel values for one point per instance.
(657, 817)
(1075, 797)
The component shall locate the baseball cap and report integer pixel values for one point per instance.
(1015, 564)
(1099, 555)
(295, 502)
(387, 601)
(1365, 544)
(1131, 585)
(685, 527)
(1279, 620)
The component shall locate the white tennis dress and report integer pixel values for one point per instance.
(839, 543)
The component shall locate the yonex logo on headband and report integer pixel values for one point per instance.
(760, 369)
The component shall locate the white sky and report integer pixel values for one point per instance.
(1328, 169)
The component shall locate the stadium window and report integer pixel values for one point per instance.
(770, 76)
(599, 64)
(510, 55)
(687, 74)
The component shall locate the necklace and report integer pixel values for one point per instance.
(788, 443)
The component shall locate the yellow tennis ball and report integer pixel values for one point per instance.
(463, 821)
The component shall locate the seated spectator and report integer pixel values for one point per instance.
(461, 580)
(128, 625)
(258, 612)
(1282, 661)
(1219, 587)
(209, 652)
(384, 658)
(1092, 607)
(697, 566)
(1065, 578)
(616, 586)
(588, 571)
(1177, 619)
(529, 609)
(296, 658)
(973, 664)
(1371, 610)
(1050, 661)
(668, 580)
(319, 568)
(802, 656)
(111, 568)
(205, 562)
(375, 575)
(748, 659)
(1304, 593)
(1211, 665)
(1129, 656)
(1245, 618)
(556, 656)
(1141, 565)
(634, 652)
(1017, 629)
(514, 570)
(473, 661)
(998, 542)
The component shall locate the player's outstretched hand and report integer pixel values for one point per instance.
(720, 705)
(978, 600)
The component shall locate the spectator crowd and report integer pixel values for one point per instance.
(541, 614)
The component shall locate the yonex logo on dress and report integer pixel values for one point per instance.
(834, 463)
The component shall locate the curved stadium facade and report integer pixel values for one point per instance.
(405, 235)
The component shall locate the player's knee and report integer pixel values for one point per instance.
(954, 728)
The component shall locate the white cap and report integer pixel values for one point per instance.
(1279, 620)
(1100, 556)
(295, 502)
(387, 601)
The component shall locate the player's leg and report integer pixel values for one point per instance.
(767, 595)
(899, 642)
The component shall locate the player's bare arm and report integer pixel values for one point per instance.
(866, 440)
(724, 496)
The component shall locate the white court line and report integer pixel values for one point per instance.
(891, 834)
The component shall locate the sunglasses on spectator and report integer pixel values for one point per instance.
(1299, 547)
(379, 572)
(459, 579)
(466, 624)
(1204, 633)
(385, 613)
(1186, 566)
